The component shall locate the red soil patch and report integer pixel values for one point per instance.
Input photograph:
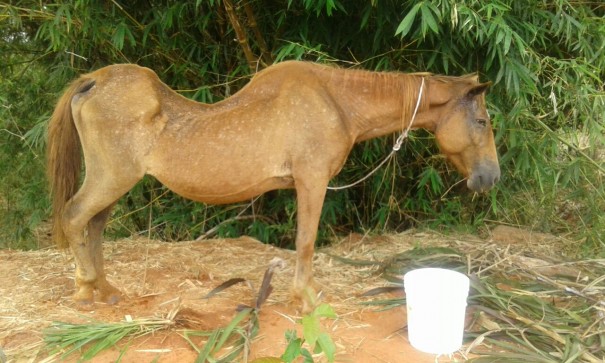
(159, 279)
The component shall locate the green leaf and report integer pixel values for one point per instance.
(293, 350)
(327, 346)
(406, 24)
(520, 43)
(291, 335)
(227, 332)
(267, 360)
(311, 329)
(118, 36)
(428, 20)
(499, 36)
(308, 357)
(324, 311)
(208, 347)
(507, 40)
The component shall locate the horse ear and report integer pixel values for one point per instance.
(478, 89)
(473, 77)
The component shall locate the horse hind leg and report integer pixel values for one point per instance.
(90, 207)
(75, 219)
(106, 292)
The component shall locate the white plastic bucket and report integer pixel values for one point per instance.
(436, 306)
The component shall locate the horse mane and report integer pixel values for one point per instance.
(467, 78)
(382, 84)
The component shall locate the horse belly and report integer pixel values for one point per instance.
(222, 182)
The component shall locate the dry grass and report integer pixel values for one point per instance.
(528, 305)
(526, 299)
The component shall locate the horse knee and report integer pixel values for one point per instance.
(97, 223)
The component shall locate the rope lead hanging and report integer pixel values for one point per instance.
(396, 146)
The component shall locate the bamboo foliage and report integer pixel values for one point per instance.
(546, 59)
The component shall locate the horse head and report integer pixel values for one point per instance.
(463, 129)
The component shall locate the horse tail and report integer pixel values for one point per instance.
(64, 156)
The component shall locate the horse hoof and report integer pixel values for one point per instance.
(107, 293)
(84, 298)
(84, 304)
(111, 296)
(305, 300)
(112, 299)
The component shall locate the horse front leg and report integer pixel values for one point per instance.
(310, 200)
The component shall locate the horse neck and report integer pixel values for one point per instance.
(375, 103)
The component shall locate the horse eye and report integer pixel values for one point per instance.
(481, 121)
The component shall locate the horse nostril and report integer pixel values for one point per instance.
(483, 177)
(487, 181)
(496, 177)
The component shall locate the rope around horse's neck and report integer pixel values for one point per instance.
(396, 146)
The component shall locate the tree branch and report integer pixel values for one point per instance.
(260, 40)
(240, 33)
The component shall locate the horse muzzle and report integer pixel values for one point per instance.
(483, 177)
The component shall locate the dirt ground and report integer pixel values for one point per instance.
(161, 279)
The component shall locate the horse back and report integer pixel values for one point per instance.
(282, 124)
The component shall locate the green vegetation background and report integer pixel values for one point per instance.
(546, 59)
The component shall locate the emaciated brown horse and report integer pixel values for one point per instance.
(292, 126)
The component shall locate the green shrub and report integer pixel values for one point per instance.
(546, 60)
